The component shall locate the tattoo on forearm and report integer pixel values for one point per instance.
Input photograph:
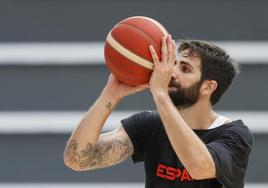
(104, 154)
(109, 106)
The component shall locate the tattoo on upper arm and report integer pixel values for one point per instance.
(109, 150)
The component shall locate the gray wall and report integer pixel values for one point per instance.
(75, 87)
(83, 20)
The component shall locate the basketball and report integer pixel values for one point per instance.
(126, 49)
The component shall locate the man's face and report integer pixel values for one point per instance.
(185, 82)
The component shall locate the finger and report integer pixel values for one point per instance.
(154, 54)
(174, 57)
(164, 50)
(170, 49)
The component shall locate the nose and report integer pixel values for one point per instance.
(174, 72)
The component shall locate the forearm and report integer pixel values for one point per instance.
(86, 135)
(189, 148)
(89, 128)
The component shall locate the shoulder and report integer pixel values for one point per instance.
(148, 113)
(236, 129)
(142, 117)
(145, 121)
(239, 127)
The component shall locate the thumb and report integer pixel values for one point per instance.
(141, 87)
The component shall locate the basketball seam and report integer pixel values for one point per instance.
(140, 31)
(132, 79)
(151, 64)
(158, 24)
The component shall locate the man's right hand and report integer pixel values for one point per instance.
(118, 90)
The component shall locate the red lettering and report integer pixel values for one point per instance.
(185, 175)
(178, 173)
(171, 173)
(160, 170)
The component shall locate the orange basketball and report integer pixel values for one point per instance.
(127, 52)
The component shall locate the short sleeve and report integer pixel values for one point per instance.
(230, 153)
(139, 128)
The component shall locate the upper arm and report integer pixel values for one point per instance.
(231, 154)
(112, 148)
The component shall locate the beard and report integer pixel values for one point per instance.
(184, 97)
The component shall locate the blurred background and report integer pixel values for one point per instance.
(52, 69)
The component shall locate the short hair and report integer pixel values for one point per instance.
(216, 65)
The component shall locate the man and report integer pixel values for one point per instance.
(185, 143)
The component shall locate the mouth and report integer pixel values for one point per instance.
(171, 84)
(172, 87)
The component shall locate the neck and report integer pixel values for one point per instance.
(198, 116)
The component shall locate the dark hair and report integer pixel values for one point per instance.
(216, 65)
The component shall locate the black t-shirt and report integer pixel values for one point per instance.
(229, 145)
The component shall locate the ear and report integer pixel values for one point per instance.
(208, 87)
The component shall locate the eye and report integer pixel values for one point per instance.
(185, 69)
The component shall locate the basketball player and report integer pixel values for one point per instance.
(185, 143)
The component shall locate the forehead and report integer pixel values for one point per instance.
(189, 57)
